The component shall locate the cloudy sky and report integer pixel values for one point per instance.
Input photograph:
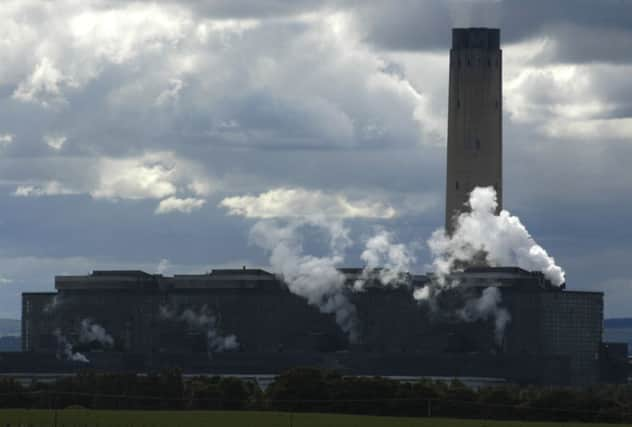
(153, 135)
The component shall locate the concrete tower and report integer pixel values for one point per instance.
(474, 118)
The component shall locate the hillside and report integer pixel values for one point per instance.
(618, 330)
(10, 327)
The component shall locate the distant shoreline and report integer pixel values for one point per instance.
(621, 322)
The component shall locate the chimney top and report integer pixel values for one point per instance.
(476, 38)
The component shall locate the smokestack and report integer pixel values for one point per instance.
(474, 118)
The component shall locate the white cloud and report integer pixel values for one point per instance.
(153, 175)
(5, 281)
(118, 35)
(173, 204)
(201, 187)
(69, 46)
(153, 51)
(566, 101)
(44, 85)
(225, 27)
(6, 139)
(147, 177)
(591, 130)
(50, 188)
(56, 142)
(537, 93)
(171, 93)
(298, 202)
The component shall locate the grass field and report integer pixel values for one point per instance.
(81, 418)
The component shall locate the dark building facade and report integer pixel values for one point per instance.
(247, 321)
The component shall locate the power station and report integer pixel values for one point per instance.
(554, 336)
(247, 321)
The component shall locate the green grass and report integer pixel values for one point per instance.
(81, 418)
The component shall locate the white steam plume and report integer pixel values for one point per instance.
(65, 349)
(485, 307)
(163, 266)
(501, 238)
(53, 305)
(317, 279)
(385, 261)
(217, 342)
(93, 332)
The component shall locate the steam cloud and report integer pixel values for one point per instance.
(90, 332)
(55, 302)
(487, 306)
(65, 349)
(385, 261)
(93, 332)
(316, 279)
(284, 213)
(501, 238)
(217, 342)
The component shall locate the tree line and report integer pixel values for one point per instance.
(316, 390)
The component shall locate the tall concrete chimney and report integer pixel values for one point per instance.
(475, 117)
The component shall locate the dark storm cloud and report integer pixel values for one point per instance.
(239, 9)
(258, 9)
(582, 30)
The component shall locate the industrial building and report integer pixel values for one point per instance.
(554, 335)
(246, 321)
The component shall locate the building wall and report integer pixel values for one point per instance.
(36, 330)
(474, 117)
(523, 332)
(546, 324)
(572, 324)
(262, 320)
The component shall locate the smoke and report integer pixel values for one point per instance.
(53, 305)
(219, 343)
(203, 319)
(316, 279)
(163, 266)
(90, 332)
(65, 349)
(93, 332)
(385, 261)
(482, 236)
(501, 239)
(485, 307)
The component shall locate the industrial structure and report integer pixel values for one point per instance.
(474, 117)
(554, 335)
(247, 321)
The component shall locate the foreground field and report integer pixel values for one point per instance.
(81, 418)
